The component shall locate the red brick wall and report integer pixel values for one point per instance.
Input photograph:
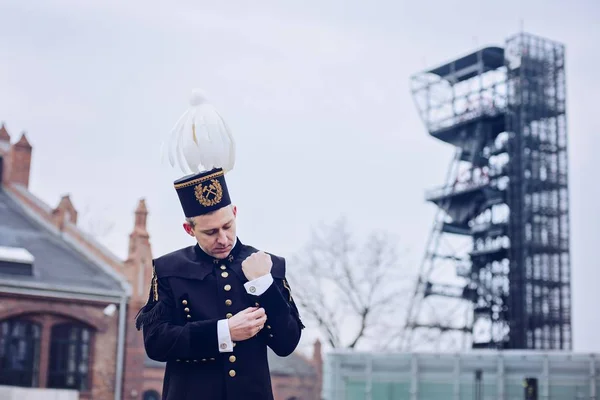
(135, 354)
(48, 312)
(285, 387)
(153, 379)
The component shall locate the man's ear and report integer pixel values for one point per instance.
(234, 211)
(188, 228)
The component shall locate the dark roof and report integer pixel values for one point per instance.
(57, 262)
(293, 365)
(490, 57)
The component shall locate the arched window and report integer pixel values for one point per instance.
(69, 368)
(19, 352)
(151, 395)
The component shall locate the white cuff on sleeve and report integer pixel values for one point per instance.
(260, 285)
(224, 336)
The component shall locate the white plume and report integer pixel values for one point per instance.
(200, 139)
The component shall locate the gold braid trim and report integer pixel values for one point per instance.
(288, 288)
(199, 180)
(154, 283)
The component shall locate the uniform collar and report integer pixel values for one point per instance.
(201, 255)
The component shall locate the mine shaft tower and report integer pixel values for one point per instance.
(496, 271)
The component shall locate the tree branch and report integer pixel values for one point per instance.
(347, 292)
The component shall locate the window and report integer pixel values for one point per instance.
(19, 353)
(70, 346)
(151, 395)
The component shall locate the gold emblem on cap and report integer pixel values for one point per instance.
(209, 193)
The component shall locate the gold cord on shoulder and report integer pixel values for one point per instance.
(154, 283)
(288, 288)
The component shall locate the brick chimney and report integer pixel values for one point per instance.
(4, 154)
(64, 212)
(141, 216)
(138, 271)
(20, 162)
(4, 136)
(138, 266)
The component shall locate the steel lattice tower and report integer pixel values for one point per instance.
(496, 271)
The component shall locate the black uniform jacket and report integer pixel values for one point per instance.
(190, 292)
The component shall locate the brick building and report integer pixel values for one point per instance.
(67, 303)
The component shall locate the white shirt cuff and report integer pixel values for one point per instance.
(260, 285)
(224, 336)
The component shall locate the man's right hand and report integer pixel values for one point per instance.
(246, 323)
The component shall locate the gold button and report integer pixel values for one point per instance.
(184, 302)
(212, 359)
(270, 335)
(232, 373)
(234, 343)
(195, 361)
(229, 315)
(232, 358)
(257, 305)
(228, 302)
(224, 274)
(189, 316)
(227, 288)
(204, 360)
(223, 267)
(186, 309)
(268, 326)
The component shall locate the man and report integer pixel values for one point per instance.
(216, 306)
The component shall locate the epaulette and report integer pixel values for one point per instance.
(176, 263)
(154, 309)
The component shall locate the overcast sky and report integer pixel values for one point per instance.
(317, 96)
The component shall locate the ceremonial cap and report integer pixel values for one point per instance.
(202, 147)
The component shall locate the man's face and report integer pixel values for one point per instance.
(215, 232)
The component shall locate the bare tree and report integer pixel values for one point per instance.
(354, 294)
(95, 222)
